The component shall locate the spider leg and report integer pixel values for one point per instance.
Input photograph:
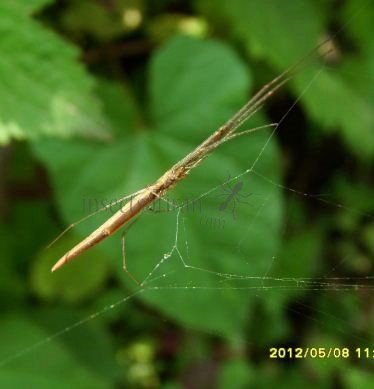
(227, 183)
(123, 247)
(245, 196)
(224, 190)
(226, 187)
(224, 194)
(250, 194)
(239, 200)
(234, 208)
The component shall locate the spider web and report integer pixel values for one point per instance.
(179, 258)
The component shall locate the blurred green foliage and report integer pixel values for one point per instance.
(97, 100)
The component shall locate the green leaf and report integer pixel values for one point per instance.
(119, 106)
(335, 104)
(191, 107)
(44, 91)
(240, 241)
(283, 32)
(325, 368)
(90, 344)
(268, 28)
(353, 193)
(84, 279)
(304, 244)
(28, 7)
(50, 365)
(235, 374)
(296, 260)
(356, 378)
(360, 13)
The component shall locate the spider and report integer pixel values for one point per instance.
(233, 196)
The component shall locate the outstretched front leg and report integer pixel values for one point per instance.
(123, 248)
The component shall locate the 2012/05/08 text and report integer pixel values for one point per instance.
(320, 352)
